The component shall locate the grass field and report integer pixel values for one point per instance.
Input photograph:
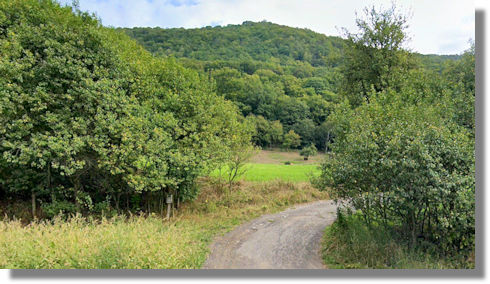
(267, 172)
(146, 242)
(269, 165)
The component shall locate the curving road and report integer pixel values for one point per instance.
(285, 240)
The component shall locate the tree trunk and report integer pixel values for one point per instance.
(33, 199)
(118, 198)
(127, 199)
(77, 201)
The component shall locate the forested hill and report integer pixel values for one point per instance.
(260, 41)
(282, 78)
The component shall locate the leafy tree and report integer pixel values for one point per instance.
(324, 135)
(235, 167)
(268, 133)
(460, 76)
(319, 108)
(375, 58)
(290, 110)
(318, 84)
(306, 152)
(291, 140)
(276, 132)
(306, 129)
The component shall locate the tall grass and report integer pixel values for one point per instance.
(145, 241)
(349, 243)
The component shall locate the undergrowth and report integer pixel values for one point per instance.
(145, 241)
(349, 244)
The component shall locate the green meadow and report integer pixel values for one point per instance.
(268, 165)
(268, 172)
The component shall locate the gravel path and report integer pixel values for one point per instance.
(285, 240)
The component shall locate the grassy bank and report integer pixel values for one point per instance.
(350, 244)
(146, 242)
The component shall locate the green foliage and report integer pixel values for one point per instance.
(271, 81)
(268, 133)
(404, 166)
(86, 111)
(460, 78)
(308, 151)
(375, 58)
(284, 74)
(260, 41)
(291, 140)
(306, 129)
(58, 207)
(404, 155)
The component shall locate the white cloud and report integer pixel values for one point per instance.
(437, 26)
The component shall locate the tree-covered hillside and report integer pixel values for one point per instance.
(284, 79)
(254, 41)
(262, 41)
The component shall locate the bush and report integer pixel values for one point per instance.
(406, 168)
(58, 207)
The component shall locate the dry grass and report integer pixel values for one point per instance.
(146, 242)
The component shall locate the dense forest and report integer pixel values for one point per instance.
(285, 80)
(96, 119)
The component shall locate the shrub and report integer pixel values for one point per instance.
(407, 168)
(58, 207)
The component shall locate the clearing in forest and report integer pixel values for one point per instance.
(269, 165)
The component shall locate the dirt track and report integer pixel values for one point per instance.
(285, 240)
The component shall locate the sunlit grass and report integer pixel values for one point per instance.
(269, 172)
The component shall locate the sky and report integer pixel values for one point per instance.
(435, 26)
